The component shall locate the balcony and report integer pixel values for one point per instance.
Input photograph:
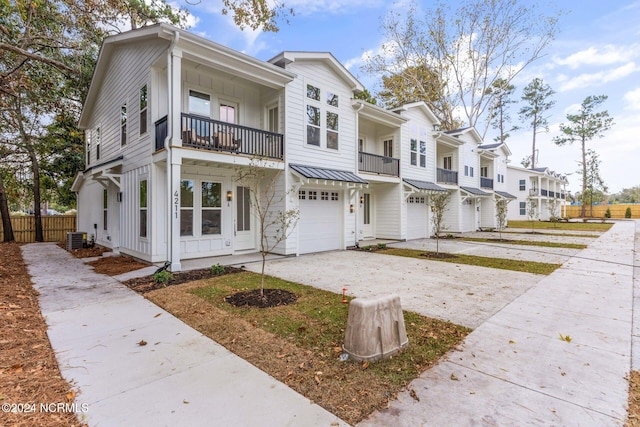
(551, 194)
(381, 165)
(447, 176)
(213, 135)
(544, 193)
(486, 182)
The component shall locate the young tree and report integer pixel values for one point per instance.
(537, 96)
(468, 48)
(438, 205)
(501, 214)
(552, 207)
(499, 110)
(595, 188)
(583, 127)
(274, 223)
(532, 213)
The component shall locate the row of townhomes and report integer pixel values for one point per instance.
(171, 118)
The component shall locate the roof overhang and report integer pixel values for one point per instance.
(310, 175)
(377, 114)
(106, 172)
(472, 193)
(447, 140)
(77, 182)
(504, 195)
(425, 187)
(422, 106)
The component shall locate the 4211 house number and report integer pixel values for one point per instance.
(176, 203)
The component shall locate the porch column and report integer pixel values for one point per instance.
(174, 160)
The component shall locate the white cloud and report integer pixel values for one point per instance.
(605, 55)
(598, 78)
(633, 99)
(306, 7)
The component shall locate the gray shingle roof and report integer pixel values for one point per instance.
(423, 185)
(327, 174)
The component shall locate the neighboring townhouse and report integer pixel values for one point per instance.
(540, 188)
(171, 118)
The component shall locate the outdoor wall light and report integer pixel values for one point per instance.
(361, 199)
(229, 196)
(351, 208)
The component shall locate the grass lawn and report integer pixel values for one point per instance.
(300, 343)
(592, 236)
(547, 225)
(502, 263)
(525, 242)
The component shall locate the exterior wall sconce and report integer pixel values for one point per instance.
(229, 196)
(351, 208)
(361, 199)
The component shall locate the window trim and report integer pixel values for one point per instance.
(143, 110)
(144, 208)
(522, 184)
(413, 150)
(209, 208)
(105, 209)
(523, 208)
(123, 124)
(445, 160)
(191, 208)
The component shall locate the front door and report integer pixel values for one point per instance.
(367, 217)
(244, 233)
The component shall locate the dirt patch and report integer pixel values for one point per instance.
(147, 284)
(114, 265)
(86, 252)
(633, 419)
(438, 255)
(29, 373)
(268, 298)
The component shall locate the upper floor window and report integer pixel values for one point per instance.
(227, 113)
(98, 143)
(143, 110)
(423, 154)
(468, 170)
(523, 185)
(313, 125)
(123, 124)
(387, 146)
(332, 99)
(313, 92)
(332, 130)
(199, 103)
(322, 119)
(88, 137)
(414, 152)
(143, 208)
(447, 163)
(484, 172)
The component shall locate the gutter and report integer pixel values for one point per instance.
(357, 211)
(167, 145)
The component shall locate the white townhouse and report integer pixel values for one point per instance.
(170, 119)
(541, 188)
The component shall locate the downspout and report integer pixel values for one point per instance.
(167, 144)
(357, 211)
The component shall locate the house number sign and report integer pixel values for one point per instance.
(176, 202)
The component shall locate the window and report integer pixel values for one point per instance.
(123, 124)
(471, 171)
(227, 113)
(313, 92)
(332, 99)
(523, 185)
(105, 209)
(272, 120)
(199, 103)
(360, 145)
(211, 214)
(186, 207)
(302, 195)
(97, 143)
(484, 172)
(332, 130)
(143, 110)
(367, 208)
(313, 195)
(523, 208)
(423, 154)
(387, 145)
(466, 170)
(313, 125)
(334, 196)
(447, 163)
(414, 152)
(143, 208)
(243, 208)
(88, 137)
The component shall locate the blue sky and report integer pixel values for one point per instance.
(596, 52)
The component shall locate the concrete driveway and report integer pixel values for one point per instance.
(465, 295)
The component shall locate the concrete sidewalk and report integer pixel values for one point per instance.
(515, 369)
(179, 378)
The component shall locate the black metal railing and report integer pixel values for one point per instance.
(447, 176)
(543, 192)
(161, 132)
(563, 196)
(208, 134)
(551, 194)
(374, 163)
(486, 182)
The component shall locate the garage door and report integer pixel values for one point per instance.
(320, 223)
(417, 218)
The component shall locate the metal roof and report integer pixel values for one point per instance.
(505, 195)
(313, 172)
(424, 185)
(474, 191)
(489, 146)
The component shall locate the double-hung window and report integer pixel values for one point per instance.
(88, 137)
(186, 207)
(123, 124)
(323, 124)
(105, 209)
(447, 163)
(387, 145)
(423, 154)
(211, 208)
(143, 110)
(523, 185)
(414, 152)
(313, 115)
(523, 208)
(332, 121)
(143, 208)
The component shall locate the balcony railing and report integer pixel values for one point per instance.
(543, 192)
(374, 163)
(447, 176)
(208, 134)
(551, 194)
(486, 182)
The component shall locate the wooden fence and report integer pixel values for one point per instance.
(617, 210)
(54, 228)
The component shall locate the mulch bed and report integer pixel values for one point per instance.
(439, 255)
(146, 284)
(29, 372)
(114, 265)
(86, 252)
(269, 298)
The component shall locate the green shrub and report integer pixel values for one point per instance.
(162, 276)
(382, 246)
(627, 213)
(607, 214)
(217, 269)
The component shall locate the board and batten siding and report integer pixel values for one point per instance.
(388, 204)
(131, 243)
(298, 151)
(129, 69)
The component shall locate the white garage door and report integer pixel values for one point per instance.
(468, 216)
(320, 223)
(417, 218)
